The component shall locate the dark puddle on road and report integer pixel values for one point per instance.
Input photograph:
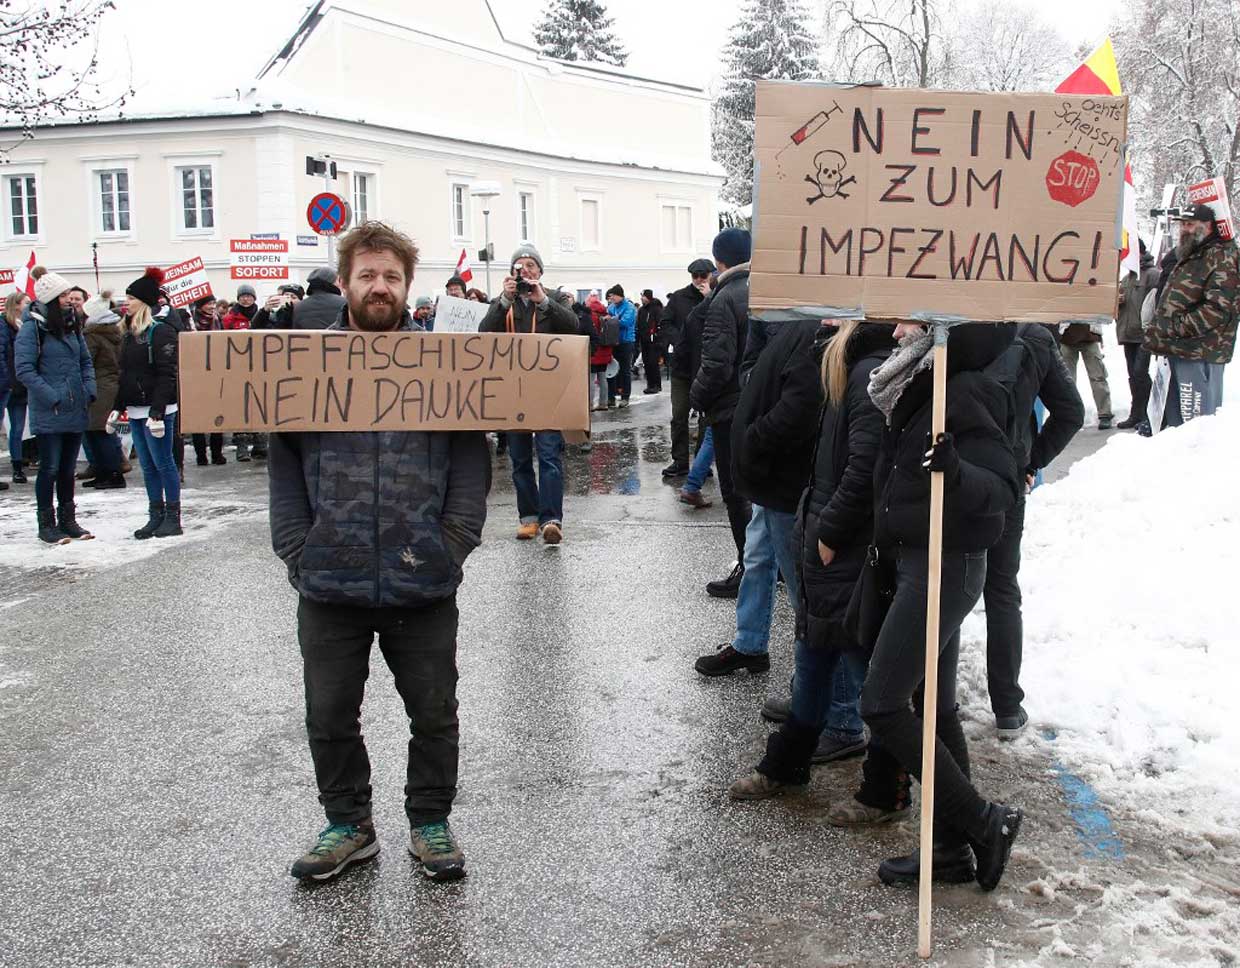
(620, 462)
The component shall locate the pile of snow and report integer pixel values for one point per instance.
(1132, 636)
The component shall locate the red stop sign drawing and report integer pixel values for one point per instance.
(1072, 178)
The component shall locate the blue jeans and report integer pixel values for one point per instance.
(825, 690)
(701, 462)
(159, 467)
(57, 465)
(17, 425)
(768, 552)
(543, 500)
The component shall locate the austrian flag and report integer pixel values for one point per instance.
(462, 268)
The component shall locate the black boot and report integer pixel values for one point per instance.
(170, 527)
(69, 525)
(728, 587)
(995, 846)
(953, 864)
(156, 519)
(110, 481)
(18, 476)
(47, 528)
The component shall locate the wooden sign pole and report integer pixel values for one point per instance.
(931, 688)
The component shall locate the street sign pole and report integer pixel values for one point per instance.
(331, 239)
(486, 231)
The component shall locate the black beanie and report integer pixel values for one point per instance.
(616, 290)
(146, 287)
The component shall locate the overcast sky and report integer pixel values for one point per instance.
(230, 40)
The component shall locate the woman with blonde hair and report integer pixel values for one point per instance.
(835, 525)
(148, 390)
(13, 401)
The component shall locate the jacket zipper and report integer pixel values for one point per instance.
(378, 450)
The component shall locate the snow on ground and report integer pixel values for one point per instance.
(112, 516)
(1132, 636)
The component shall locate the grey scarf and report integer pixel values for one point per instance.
(914, 354)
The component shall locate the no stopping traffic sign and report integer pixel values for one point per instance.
(328, 214)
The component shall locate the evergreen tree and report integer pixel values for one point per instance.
(768, 41)
(579, 30)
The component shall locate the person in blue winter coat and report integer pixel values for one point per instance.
(626, 313)
(53, 362)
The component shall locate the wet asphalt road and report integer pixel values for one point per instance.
(156, 781)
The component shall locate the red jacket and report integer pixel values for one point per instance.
(602, 355)
(236, 320)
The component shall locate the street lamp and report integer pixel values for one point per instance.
(486, 190)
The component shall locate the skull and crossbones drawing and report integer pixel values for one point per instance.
(828, 177)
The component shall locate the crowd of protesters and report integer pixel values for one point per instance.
(818, 430)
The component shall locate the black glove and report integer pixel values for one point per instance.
(942, 456)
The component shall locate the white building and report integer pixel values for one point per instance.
(609, 175)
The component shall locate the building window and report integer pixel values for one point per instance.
(23, 206)
(591, 224)
(113, 201)
(460, 211)
(362, 185)
(677, 228)
(525, 216)
(197, 194)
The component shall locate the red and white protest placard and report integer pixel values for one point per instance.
(6, 280)
(258, 258)
(1213, 192)
(186, 282)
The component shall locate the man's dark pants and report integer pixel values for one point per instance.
(1004, 626)
(680, 420)
(1137, 358)
(739, 511)
(651, 352)
(419, 646)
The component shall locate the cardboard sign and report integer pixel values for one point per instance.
(453, 315)
(258, 258)
(317, 380)
(1213, 192)
(186, 282)
(923, 204)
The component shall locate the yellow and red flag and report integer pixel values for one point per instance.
(1100, 75)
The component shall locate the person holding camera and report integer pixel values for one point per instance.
(524, 306)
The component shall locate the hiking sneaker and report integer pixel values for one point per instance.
(693, 498)
(527, 532)
(759, 786)
(854, 813)
(436, 849)
(952, 864)
(1010, 727)
(340, 845)
(727, 587)
(995, 847)
(552, 533)
(727, 660)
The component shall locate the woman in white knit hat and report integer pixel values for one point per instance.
(54, 364)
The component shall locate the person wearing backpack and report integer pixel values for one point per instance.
(148, 390)
(53, 363)
(601, 353)
(1130, 334)
(626, 345)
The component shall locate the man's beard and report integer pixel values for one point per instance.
(374, 315)
(1189, 242)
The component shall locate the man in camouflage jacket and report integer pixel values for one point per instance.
(374, 528)
(1194, 325)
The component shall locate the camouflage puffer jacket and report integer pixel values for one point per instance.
(377, 519)
(1196, 319)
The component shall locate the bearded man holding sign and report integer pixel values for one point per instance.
(374, 528)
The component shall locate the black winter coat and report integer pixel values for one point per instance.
(148, 370)
(978, 411)
(1044, 374)
(775, 419)
(318, 310)
(716, 385)
(838, 508)
(672, 329)
(551, 316)
(649, 317)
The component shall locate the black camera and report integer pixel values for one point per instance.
(523, 288)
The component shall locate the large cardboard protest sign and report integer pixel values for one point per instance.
(924, 204)
(186, 282)
(300, 380)
(453, 315)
